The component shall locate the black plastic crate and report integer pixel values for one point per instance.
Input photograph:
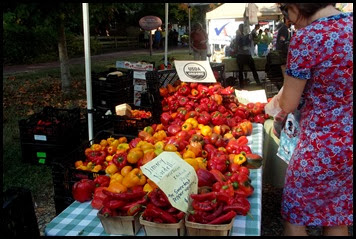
(43, 154)
(131, 126)
(64, 173)
(220, 69)
(111, 98)
(51, 126)
(101, 121)
(18, 214)
(104, 81)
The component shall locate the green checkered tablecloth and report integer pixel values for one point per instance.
(80, 219)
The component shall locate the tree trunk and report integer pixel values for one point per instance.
(63, 58)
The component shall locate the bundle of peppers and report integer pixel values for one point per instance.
(160, 210)
(122, 204)
(217, 207)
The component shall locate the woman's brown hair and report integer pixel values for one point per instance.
(307, 10)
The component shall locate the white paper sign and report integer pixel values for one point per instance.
(195, 71)
(175, 177)
(139, 75)
(244, 96)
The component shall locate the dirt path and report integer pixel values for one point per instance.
(16, 69)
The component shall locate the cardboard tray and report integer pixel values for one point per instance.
(163, 229)
(199, 229)
(121, 225)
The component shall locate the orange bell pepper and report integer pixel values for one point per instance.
(116, 187)
(133, 178)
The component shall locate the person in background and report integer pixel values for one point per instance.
(267, 37)
(146, 38)
(157, 38)
(254, 38)
(243, 54)
(199, 39)
(318, 187)
(283, 38)
(163, 37)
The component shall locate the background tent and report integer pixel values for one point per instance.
(223, 21)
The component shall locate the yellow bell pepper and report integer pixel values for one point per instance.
(96, 147)
(187, 126)
(193, 162)
(108, 158)
(133, 178)
(103, 142)
(125, 170)
(111, 169)
(239, 158)
(160, 135)
(202, 162)
(123, 146)
(115, 143)
(110, 140)
(116, 177)
(193, 122)
(147, 188)
(159, 145)
(206, 130)
(116, 187)
(96, 168)
(188, 154)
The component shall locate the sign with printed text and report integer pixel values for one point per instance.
(195, 71)
(245, 96)
(175, 177)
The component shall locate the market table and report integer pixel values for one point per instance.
(80, 219)
(231, 64)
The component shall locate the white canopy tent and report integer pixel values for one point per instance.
(227, 17)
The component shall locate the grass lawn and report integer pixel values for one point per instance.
(25, 94)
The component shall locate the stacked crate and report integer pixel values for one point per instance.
(49, 134)
(64, 173)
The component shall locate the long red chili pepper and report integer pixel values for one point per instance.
(154, 211)
(204, 206)
(204, 196)
(125, 195)
(113, 203)
(223, 218)
(141, 201)
(238, 208)
(216, 213)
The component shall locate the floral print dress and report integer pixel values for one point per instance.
(318, 189)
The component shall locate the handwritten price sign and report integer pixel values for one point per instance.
(176, 178)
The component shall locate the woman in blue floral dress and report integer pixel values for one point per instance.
(318, 188)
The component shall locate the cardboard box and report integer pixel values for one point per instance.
(123, 110)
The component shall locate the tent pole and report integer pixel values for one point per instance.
(166, 38)
(190, 51)
(88, 68)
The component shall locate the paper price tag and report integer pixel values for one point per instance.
(175, 177)
(245, 97)
(195, 71)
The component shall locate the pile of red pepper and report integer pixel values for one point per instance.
(224, 196)
(160, 210)
(120, 204)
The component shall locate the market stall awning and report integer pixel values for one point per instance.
(266, 11)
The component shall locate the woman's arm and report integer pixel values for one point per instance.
(292, 91)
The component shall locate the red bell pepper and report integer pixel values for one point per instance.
(102, 181)
(120, 160)
(224, 187)
(184, 90)
(205, 178)
(165, 118)
(218, 160)
(97, 157)
(83, 190)
(217, 118)
(203, 117)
